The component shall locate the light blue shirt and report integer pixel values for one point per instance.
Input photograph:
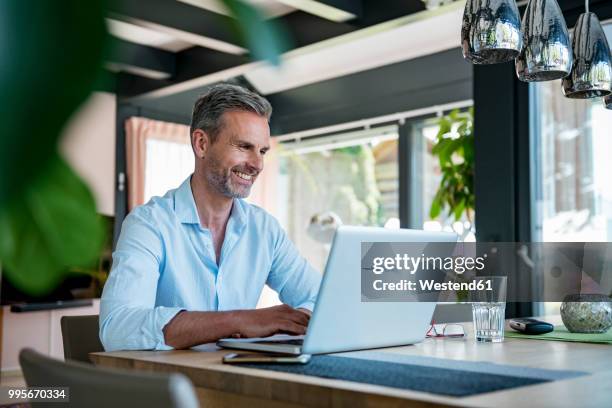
(165, 262)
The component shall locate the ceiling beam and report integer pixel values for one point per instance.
(334, 10)
(180, 20)
(141, 60)
(196, 63)
(306, 29)
(191, 63)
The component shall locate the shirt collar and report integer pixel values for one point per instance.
(187, 212)
(184, 204)
(239, 213)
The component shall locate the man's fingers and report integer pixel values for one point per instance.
(301, 318)
(298, 316)
(292, 328)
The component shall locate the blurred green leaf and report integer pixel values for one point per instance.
(458, 210)
(51, 53)
(468, 148)
(51, 227)
(438, 146)
(265, 38)
(434, 210)
(462, 128)
(444, 127)
(446, 151)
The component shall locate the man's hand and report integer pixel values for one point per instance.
(272, 320)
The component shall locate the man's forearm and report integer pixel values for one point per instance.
(188, 329)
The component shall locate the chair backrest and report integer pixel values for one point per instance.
(93, 387)
(80, 337)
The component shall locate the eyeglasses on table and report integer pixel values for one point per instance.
(445, 330)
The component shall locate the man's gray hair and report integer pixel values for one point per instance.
(223, 98)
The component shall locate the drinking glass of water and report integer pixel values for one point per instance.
(489, 308)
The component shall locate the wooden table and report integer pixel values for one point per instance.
(220, 385)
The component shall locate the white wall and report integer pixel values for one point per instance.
(88, 144)
(38, 330)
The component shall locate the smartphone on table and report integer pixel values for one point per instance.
(237, 358)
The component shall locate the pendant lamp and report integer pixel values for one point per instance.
(546, 54)
(591, 74)
(491, 31)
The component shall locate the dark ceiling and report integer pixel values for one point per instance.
(302, 28)
(148, 69)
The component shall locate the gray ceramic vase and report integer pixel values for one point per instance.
(591, 75)
(491, 31)
(546, 54)
(608, 101)
(587, 313)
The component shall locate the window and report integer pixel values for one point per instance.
(353, 179)
(572, 194)
(424, 181)
(350, 178)
(167, 165)
(572, 145)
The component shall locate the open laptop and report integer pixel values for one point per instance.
(341, 321)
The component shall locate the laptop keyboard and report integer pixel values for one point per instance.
(292, 342)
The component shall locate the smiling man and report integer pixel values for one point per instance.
(190, 266)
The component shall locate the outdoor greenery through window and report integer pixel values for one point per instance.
(353, 179)
(323, 185)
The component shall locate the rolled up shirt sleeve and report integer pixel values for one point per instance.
(129, 319)
(291, 276)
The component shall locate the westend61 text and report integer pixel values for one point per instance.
(430, 284)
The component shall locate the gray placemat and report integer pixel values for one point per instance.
(434, 378)
(463, 365)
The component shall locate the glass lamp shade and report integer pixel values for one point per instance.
(591, 74)
(491, 31)
(546, 54)
(608, 101)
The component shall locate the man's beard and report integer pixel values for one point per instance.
(221, 180)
